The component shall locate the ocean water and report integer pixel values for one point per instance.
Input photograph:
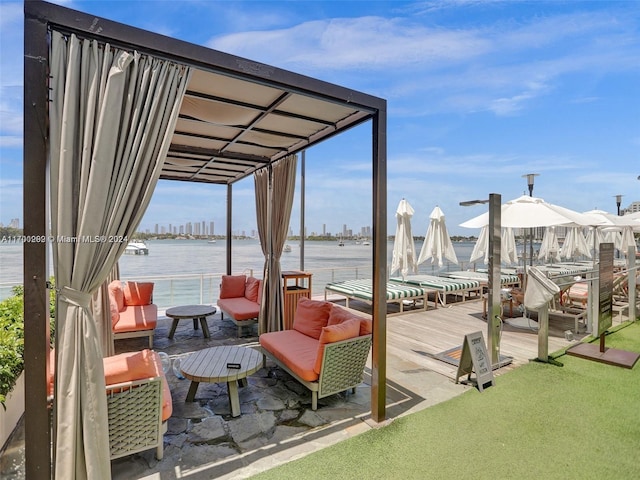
(189, 271)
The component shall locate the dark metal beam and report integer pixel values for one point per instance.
(379, 347)
(36, 301)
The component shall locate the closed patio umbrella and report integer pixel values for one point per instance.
(437, 243)
(575, 245)
(550, 248)
(404, 250)
(508, 247)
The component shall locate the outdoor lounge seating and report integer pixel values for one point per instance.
(443, 286)
(138, 402)
(506, 280)
(326, 351)
(363, 290)
(133, 313)
(240, 298)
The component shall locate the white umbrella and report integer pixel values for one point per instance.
(507, 247)
(575, 245)
(627, 241)
(437, 244)
(594, 239)
(481, 248)
(530, 212)
(404, 250)
(550, 248)
(509, 250)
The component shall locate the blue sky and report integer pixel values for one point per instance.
(479, 93)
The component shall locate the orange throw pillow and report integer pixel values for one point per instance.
(311, 316)
(232, 286)
(339, 315)
(115, 291)
(251, 289)
(138, 293)
(335, 333)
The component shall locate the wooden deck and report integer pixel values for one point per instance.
(414, 338)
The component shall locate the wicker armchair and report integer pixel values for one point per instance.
(135, 417)
(342, 369)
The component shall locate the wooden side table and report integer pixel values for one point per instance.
(210, 365)
(196, 312)
(296, 285)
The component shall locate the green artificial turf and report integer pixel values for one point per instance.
(580, 420)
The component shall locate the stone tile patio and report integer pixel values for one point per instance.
(277, 424)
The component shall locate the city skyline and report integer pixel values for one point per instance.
(478, 94)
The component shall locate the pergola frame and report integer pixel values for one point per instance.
(40, 17)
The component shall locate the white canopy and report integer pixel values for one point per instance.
(530, 212)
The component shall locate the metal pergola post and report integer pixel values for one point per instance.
(379, 347)
(36, 298)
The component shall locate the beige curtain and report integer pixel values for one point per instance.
(111, 116)
(274, 188)
(101, 311)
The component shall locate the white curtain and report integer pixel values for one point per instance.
(111, 119)
(275, 188)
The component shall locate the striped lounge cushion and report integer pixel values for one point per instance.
(363, 289)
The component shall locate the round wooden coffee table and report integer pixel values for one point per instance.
(196, 312)
(211, 365)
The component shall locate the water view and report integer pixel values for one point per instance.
(189, 271)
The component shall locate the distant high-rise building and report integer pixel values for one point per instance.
(633, 208)
(211, 230)
(156, 229)
(324, 229)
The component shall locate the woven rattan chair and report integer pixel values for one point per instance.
(342, 369)
(135, 417)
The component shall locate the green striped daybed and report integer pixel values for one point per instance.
(444, 286)
(362, 289)
(506, 280)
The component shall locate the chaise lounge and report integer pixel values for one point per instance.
(363, 290)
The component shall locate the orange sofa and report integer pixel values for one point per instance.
(132, 312)
(326, 350)
(240, 298)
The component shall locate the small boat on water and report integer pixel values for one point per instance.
(211, 241)
(341, 243)
(137, 247)
(287, 248)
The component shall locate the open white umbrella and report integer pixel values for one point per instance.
(404, 250)
(575, 245)
(530, 212)
(549, 248)
(437, 244)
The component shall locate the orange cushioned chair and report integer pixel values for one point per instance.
(133, 313)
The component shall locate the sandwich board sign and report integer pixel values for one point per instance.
(475, 358)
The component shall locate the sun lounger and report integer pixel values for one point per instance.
(363, 290)
(444, 286)
(506, 280)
